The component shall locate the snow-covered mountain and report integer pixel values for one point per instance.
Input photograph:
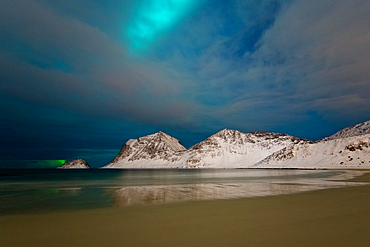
(234, 149)
(158, 150)
(348, 148)
(75, 164)
(356, 130)
(339, 153)
(225, 149)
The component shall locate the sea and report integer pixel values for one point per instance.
(49, 190)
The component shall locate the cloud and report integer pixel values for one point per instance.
(103, 80)
(281, 65)
(321, 48)
(311, 52)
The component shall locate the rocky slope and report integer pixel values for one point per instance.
(225, 149)
(348, 148)
(234, 149)
(75, 164)
(158, 150)
(356, 130)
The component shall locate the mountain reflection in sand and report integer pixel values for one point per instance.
(155, 194)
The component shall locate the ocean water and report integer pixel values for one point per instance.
(34, 191)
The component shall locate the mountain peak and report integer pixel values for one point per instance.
(157, 134)
(356, 130)
(160, 136)
(226, 132)
(234, 149)
(161, 133)
(149, 147)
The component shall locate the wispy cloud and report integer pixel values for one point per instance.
(311, 52)
(248, 65)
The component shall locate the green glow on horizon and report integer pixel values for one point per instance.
(154, 18)
(47, 163)
(61, 161)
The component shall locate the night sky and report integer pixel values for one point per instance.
(79, 78)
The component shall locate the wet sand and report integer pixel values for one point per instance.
(332, 217)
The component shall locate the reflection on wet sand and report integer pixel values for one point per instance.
(154, 194)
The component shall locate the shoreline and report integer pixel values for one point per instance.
(327, 217)
(196, 169)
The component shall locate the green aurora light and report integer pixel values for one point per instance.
(47, 163)
(31, 164)
(155, 17)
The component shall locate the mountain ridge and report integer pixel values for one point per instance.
(355, 130)
(160, 150)
(234, 149)
(339, 153)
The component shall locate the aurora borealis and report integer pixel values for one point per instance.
(32, 164)
(79, 78)
(154, 18)
(47, 163)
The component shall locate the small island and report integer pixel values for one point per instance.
(75, 164)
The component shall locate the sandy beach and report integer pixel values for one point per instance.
(331, 217)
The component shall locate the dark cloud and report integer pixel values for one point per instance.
(104, 80)
(71, 86)
(313, 57)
